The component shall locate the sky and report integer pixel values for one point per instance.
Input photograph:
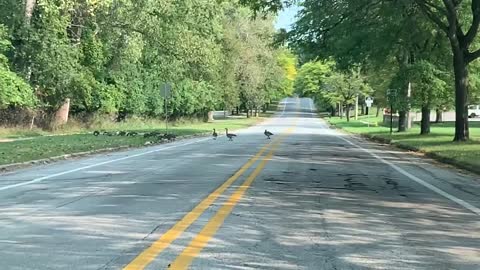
(286, 18)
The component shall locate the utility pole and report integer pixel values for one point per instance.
(391, 96)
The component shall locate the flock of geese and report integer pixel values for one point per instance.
(230, 136)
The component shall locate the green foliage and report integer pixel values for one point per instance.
(330, 86)
(288, 62)
(258, 74)
(312, 76)
(429, 86)
(14, 91)
(112, 56)
(346, 87)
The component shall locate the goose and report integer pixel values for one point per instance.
(96, 133)
(268, 134)
(170, 137)
(230, 136)
(215, 134)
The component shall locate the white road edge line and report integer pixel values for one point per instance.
(40, 179)
(418, 180)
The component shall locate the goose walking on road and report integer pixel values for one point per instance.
(230, 136)
(268, 134)
(215, 134)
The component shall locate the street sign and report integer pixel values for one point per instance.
(166, 90)
(392, 95)
(369, 101)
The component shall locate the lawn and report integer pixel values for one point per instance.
(438, 144)
(41, 147)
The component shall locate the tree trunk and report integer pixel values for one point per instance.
(425, 125)
(402, 121)
(340, 110)
(29, 7)
(439, 116)
(460, 68)
(248, 113)
(256, 112)
(23, 61)
(348, 112)
(210, 116)
(363, 109)
(61, 115)
(378, 111)
(367, 111)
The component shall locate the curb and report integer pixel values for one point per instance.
(433, 156)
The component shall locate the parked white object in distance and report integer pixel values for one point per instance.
(473, 111)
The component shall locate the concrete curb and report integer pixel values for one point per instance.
(433, 156)
(21, 165)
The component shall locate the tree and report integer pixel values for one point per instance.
(15, 92)
(311, 81)
(429, 88)
(458, 19)
(345, 88)
(288, 62)
(461, 27)
(111, 57)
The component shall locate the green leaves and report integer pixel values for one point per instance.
(14, 91)
(429, 85)
(329, 86)
(112, 56)
(312, 78)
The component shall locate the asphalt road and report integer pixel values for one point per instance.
(310, 198)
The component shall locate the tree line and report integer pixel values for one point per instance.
(111, 57)
(416, 54)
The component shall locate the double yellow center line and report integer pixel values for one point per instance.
(201, 240)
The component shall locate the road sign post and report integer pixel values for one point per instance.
(391, 95)
(166, 92)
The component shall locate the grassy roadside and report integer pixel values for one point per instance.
(43, 147)
(438, 144)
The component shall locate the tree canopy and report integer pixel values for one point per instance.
(389, 38)
(113, 56)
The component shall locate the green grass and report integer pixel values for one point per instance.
(14, 133)
(439, 143)
(41, 147)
